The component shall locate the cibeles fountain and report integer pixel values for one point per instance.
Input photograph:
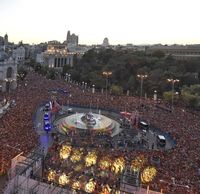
(79, 122)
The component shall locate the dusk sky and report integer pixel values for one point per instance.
(122, 21)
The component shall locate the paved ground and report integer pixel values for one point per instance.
(3, 180)
(148, 137)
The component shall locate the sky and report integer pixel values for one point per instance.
(121, 21)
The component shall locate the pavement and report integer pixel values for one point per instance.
(149, 137)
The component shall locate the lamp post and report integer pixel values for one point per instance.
(107, 74)
(155, 96)
(173, 81)
(142, 77)
(93, 88)
(68, 77)
(173, 183)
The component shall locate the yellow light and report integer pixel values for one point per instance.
(90, 186)
(106, 189)
(63, 179)
(138, 163)
(105, 163)
(76, 185)
(148, 174)
(76, 156)
(118, 165)
(117, 192)
(51, 175)
(91, 159)
(65, 151)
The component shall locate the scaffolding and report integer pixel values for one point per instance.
(27, 177)
(130, 181)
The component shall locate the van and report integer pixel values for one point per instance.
(143, 125)
(161, 141)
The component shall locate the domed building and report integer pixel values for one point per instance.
(105, 42)
(8, 72)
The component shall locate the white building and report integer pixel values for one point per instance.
(40, 58)
(19, 55)
(8, 73)
(56, 56)
(180, 52)
(105, 42)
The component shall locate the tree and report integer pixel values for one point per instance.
(22, 73)
(158, 53)
(65, 70)
(116, 90)
(51, 74)
(191, 96)
(131, 83)
(167, 96)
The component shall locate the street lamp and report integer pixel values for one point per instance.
(155, 96)
(93, 88)
(174, 184)
(142, 77)
(107, 74)
(68, 77)
(173, 81)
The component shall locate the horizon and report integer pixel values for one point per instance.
(144, 22)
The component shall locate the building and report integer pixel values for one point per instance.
(1, 41)
(180, 52)
(71, 40)
(105, 42)
(4, 40)
(8, 72)
(19, 55)
(40, 58)
(57, 55)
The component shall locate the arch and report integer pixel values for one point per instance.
(9, 72)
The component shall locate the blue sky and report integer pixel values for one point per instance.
(122, 21)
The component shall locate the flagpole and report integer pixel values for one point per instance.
(147, 189)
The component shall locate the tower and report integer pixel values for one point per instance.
(68, 36)
(6, 39)
(105, 42)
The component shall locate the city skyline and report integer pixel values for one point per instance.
(122, 22)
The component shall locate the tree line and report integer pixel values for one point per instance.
(125, 65)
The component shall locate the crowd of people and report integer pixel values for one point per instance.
(179, 167)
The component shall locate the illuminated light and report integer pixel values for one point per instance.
(118, 165)
(105, 163)
(90, 186)
(65, 151)
(76, 185)
(148, 174)
(63, 179)
(76, 156)
(51, 175)
(138, 163)
(91, 159)
(106, 189)
(117, 192)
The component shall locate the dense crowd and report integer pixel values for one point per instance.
(182, 162)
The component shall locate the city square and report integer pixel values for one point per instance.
(99, 97)
(128, 146)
